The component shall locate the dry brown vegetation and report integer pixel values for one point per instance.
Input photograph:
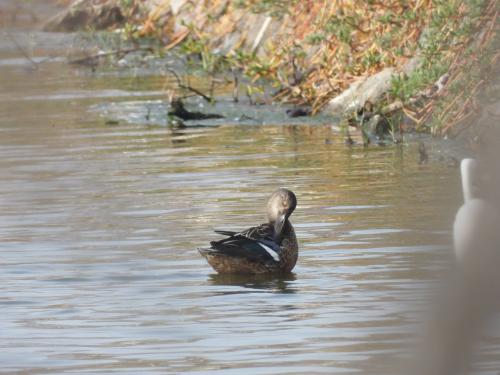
(311, 51)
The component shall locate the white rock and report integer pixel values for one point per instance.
(365, 89)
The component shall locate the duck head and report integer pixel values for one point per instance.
(279, 208)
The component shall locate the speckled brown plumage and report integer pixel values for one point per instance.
(290, 251)
(268, 248)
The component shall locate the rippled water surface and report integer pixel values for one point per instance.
(99, 227)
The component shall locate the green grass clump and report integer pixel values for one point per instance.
(448, 30)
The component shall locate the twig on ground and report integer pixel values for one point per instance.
(235, 88)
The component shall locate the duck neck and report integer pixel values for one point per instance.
(284, 230)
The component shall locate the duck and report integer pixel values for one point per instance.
(269, 248)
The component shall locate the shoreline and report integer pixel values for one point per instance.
(399, 99)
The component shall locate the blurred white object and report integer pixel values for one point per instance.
(469, 215)
(474, 232)
(470, 222)
(468, 170)
(471, 293)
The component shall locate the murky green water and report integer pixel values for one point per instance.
(99, 227)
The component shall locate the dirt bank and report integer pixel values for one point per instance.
(333, 56)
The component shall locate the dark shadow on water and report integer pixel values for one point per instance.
(268, 283)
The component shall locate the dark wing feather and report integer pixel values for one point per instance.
(226, 232)
(261, 232)
(245, 244)
(264, 233)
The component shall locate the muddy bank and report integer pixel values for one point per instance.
(131, 92)
(311, 51)
(335, 58)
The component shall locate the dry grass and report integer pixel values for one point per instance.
(314, 50)
(311, 51)
(454, 102)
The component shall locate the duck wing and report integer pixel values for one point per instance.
(263, 233)
(255, 244)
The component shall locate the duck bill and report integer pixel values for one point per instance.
(279, 224)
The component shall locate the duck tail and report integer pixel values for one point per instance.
(228, 233)
(206, 251)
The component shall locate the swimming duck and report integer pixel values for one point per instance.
(268, 248)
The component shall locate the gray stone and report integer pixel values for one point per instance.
(83, 14)
(365, 89)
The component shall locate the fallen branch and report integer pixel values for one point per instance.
(179, 38)
(411, 116)
(22, 50)
(92, 60)
(181, 85)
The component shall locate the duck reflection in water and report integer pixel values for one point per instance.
(265, 282)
